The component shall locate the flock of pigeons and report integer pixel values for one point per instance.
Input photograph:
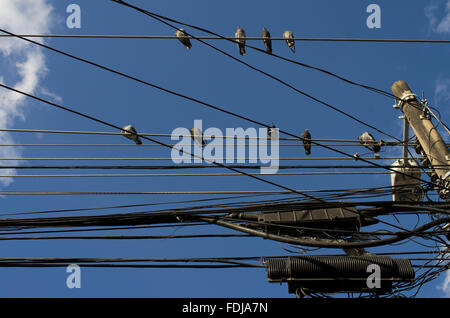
(365, 139)
(240, 37)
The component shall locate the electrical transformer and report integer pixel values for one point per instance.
(406, 181)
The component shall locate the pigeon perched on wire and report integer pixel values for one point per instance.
(184, 38)
(130, 133)
(266, 40)
(356, 251)
(367, 140)
(197, 136)
(289, 37)
(272, 132)
(240, 39)
(306, 139)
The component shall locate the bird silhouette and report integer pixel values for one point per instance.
(367, 140)
(289, 37)
(266, 40)
(184, 38)
(197, 136)
(272, 132)
(240, 39)
(306, 139)
(130, 133)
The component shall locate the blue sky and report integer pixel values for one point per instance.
(204, 74)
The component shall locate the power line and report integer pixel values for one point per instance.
(325, 243)
(158, 142)
(412, 253)
(106, 228)
(153, 140)
(131, 205)
(250, 38)
(103, 122)
(355, 141)
(333, 173)
(189, 136)
(436, 117)
(378, 204)
(143, 145)
(150, 84)
(92, 221)
(137, 192)
(203, 166)
(113, 219)
(170, 159)
(184, 96)
(122, 237)
(202, 266)
(162, 20)
(167, 216)
(191, 236)
(225, 262)
(199, 200)
(155, 192)
(176, 94)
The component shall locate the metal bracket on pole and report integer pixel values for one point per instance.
(406, 98)
(431, 142)
(444, 193)
(405, 139)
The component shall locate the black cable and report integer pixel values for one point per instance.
(162, 20)
(190, 166)
(349, 191)
(191, 99)
(130, 205)
(154, 16)
(125, 36)
(323, 242)
(168, 146)
(105, 229)
(106, 262)
(155, 141)
(90, 117)
(121, 237)
(202, 266)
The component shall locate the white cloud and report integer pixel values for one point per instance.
(24, 60)
(441, 102)
(445, 287)
(438, 15)
(442, 91)
(56, 98)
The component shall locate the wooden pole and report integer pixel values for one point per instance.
(431, 141)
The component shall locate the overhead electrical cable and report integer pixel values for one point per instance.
(186, 97)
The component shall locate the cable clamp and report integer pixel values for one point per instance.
(446, 176)
(405, 98)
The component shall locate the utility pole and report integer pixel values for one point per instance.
(431, 141)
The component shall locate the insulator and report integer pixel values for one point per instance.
(405, 179)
